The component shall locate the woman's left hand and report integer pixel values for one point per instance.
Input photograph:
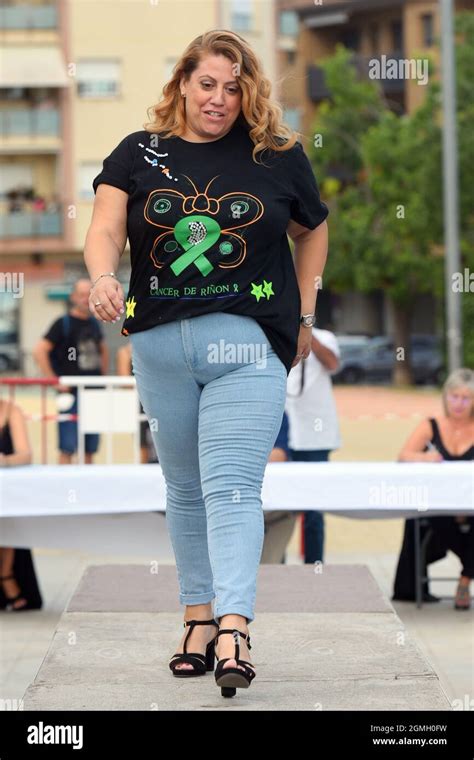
(304, 344)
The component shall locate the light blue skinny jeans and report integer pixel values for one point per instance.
(214, 391)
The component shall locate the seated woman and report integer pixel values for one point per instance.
(18, 585)
(446, 437)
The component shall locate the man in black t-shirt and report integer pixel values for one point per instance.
(73, 345)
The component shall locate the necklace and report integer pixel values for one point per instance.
(455, 432)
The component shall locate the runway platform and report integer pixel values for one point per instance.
(327, 640)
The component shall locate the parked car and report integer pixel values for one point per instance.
(426, 359)
(374, 359)
(351, 366)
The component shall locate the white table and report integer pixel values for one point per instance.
(55, 505)
(121, 508)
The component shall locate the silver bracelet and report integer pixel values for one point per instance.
(107, 274)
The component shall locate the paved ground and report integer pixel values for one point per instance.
(326, 641)
(375, 420)
(374, 424)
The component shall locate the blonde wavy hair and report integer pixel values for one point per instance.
(463, 377)
(260, 114)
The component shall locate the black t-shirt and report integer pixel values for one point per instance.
(207, 230)
(76, 348)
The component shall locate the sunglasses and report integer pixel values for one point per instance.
(464, 400)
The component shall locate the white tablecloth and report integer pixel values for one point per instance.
(120, 509)
(358, 489)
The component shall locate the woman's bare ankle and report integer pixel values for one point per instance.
(198, 612)
(233, 621)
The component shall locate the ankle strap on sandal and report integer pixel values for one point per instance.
(200, 622)
(191, 624)
(233, 631)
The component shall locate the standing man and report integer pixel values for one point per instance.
(314, 426)
(73, 345)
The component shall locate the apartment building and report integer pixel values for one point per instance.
(75, 77)
(396, 30)
(78, 75)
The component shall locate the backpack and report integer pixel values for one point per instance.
(57, 353)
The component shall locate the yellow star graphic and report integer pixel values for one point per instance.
(130, 304)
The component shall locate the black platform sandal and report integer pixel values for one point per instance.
(201, 663)
(230, 679)
(10, 600)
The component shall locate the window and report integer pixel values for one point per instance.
(291, 116)
(289, 23)
(397, 36)
(351, 38)
(15, 175)
(99, 78)
(241, 15)
(428, 33)
(87, 172)
(374, 38)
(13, 93)
(22, 15)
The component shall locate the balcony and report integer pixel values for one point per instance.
(33, 224)
(15, 122)
(318, 90)
(28, 17)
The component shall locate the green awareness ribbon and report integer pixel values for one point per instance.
(195, 242)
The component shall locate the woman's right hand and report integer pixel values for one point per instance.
(433, 456)
(109, 292)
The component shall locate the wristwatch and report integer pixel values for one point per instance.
(308, 320)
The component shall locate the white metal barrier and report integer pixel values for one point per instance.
(111, 406)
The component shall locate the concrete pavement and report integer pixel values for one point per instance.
(325, 640)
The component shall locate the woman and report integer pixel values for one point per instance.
(207, 194)
(18, 585)
(448, 437)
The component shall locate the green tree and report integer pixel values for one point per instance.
(382, 175)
